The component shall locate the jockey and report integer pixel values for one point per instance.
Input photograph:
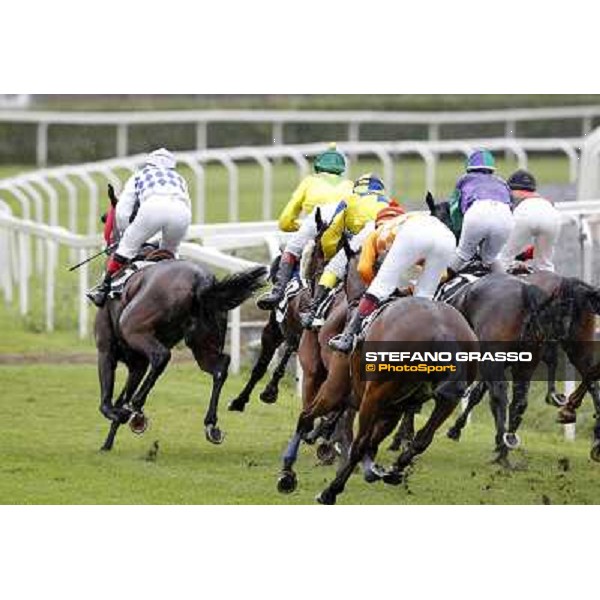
(155, 199)
(324, 189)
(535, 219)
(354, 217)
(481, 207)
(409, 239)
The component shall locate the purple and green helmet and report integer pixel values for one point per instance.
(480, 160)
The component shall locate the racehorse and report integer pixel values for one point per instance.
(333, 395)
(506, 309)
(579, 303)
(160, 305)
(381, 403)
(321, 369)
(273, 335)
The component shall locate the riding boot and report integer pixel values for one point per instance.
(286, 267)
(99, 294)
(307, 318)
(345, 341)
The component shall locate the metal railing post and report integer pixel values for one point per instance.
(41, 148)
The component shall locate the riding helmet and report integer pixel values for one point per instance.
(330, 161)
(161, 158)
(480, 160)
(368, 182)
(522, 180)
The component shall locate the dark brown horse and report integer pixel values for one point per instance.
(273, 335)
(506, 309)
(161, 305)
(577, 304)
(381, 403)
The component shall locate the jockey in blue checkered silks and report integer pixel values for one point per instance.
(154, 200)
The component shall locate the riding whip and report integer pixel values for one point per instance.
(90, 258)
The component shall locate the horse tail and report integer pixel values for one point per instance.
(229, 293)
(536, 304)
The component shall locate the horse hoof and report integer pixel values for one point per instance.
(566, 416)
(214, 435)
(454, 433)
(105, 449)
(511, 440)
(392, 477)
(595, 451)
(556, 399)
(237, 405)
(326, 453)
(325, 497)
(268, 396)
(139, 423)
(108, 412)
(287, 482)
(374, 473)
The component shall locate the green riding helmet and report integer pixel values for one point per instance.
(330, 161)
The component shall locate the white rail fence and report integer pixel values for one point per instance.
(38, 193)
(353, 120)
(16, 260)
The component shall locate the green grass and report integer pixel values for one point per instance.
(51, 434)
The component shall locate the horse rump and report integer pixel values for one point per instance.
(230, 292)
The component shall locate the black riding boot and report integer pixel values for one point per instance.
(307, 318)
(345, 340)
(99, 294)
(271, 299)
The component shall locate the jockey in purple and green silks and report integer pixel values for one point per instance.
(480, 209)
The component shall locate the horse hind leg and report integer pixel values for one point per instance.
(158, 357)
(406, 431)
(474, 397)
(271, 391)
(271, 339)
(444, 407)
(137, 370)
(517, 409)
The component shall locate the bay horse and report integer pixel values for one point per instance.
(161, 305)
(331, 396)
(381, 403)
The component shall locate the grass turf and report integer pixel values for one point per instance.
(51, 432)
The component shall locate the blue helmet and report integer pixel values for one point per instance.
(481, 160)
(369, 183)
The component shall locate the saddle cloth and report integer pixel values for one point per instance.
(292, 289)
(447, 291)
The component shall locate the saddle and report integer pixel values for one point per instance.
(398, 293)
(520, 268)
(148, 256)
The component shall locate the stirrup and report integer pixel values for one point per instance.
(342, 343)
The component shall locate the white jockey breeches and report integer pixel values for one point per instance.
(419, 238)
(339, 263)
(537, 222)
(168, 215)
(486, 227)
(308, 229)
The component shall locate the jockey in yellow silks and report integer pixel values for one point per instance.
(354, 217)
(324, 189)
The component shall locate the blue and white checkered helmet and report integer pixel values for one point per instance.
(161, 158)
